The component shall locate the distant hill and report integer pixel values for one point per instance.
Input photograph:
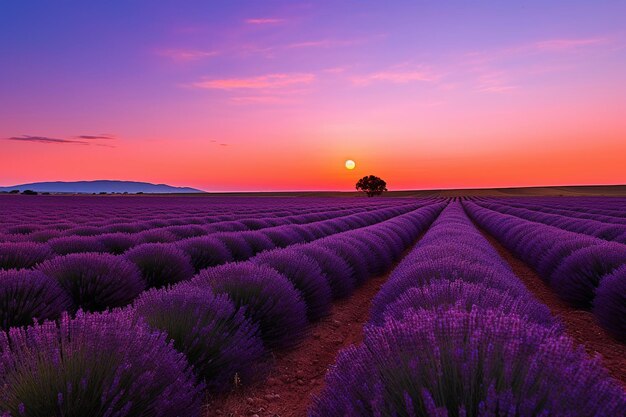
(101, 186)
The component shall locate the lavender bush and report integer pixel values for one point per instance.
(216, 338)
(413, 275)
(43, 235)
(464, 295)
(15, 255)
(283, 236)
(338, 272)
(117, 243)
(76, 244)
(240, 249)
(94, 365)
(205, 251)
(156, 236)
(257, 241)
(305, 275)
(577, 277)
(350, 254)
(95, 281)
(83, 231)
(551, 258)
(459, 363)
(609, 306)
(270, 300)
(161, 263)
(26, 296)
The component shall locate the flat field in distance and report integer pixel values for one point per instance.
(283, 304)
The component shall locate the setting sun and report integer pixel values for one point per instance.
(350, 164)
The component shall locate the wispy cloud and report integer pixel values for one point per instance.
(494, 82)
(270, 51)
(568, 44)
(264, 21)
(562, 45)
(96, 137)
(269, 81)
(81, 139)
(43, 139)
(186, 55)
(219, 144)
(262, 99)
(396, 76)
(503, 70)
(335, 70)
(324, 43)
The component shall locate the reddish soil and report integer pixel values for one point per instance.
(299, 374)
(579, 324)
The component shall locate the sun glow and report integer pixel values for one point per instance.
(350, 164)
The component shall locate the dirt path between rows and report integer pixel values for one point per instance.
(299, 374)
(579, 324)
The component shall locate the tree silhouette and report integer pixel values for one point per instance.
(371, 185)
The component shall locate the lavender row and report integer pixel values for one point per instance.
(453, 250)
(454, 333)
(283, 290)
(156, 357)
(604, 206)
(15, 255)
(540, 204)
(67, 212)
(96, 281)
(39, 229)
(587, 272)
(178, 227)
(601, 230)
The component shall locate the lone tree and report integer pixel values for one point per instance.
(371, 185)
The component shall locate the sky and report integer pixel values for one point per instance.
(277, 95)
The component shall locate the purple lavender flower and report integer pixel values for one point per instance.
(240, 249)
(161, 263)
(257, 241)
(43, 235)
(95, 281)
(305, 275)
(156, 236)
(578, 276)
(15, 255)
(609, 306)
(215, 337)
(205, 251)
(76, 244)
(26, 296)
(283, 236)
(186, 230)
(95, 364)
(117, 243)
(337, 271)
(350, 254)
(270, 300)
(464, 295)
(478, 362)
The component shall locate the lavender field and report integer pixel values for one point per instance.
(168, 306)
